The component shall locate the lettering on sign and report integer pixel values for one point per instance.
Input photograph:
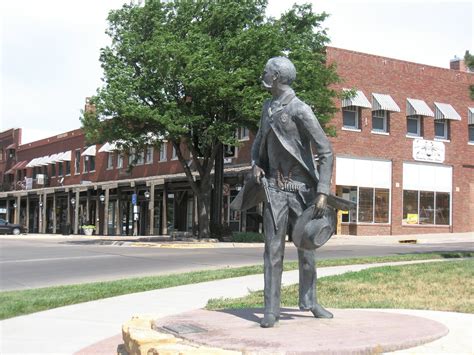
(429, 151)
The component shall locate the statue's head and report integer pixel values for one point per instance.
(279, 70)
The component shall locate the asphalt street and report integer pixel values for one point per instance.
(39, 263)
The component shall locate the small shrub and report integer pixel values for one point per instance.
(247, 237)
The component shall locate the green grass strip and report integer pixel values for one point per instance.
(447, 286)
(15, 303)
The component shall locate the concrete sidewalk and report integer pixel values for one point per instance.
(69, 329)
(168, 242)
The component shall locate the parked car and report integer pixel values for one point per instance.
(10, 228)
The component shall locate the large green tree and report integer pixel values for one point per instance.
(189, 72)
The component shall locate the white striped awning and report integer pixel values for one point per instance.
(418, 107)
(446, 112)
(32, 163)
(358, 100)
(90, 151)
(43, 161)
(108, 148)
(470, 115)
(65, 156)
(384, 102)
(53, 159)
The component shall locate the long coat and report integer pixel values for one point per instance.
(296, 127)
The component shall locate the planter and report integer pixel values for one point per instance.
(88, 231)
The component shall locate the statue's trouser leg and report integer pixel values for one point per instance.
(307, 270)
(307, 286)
(274, 250)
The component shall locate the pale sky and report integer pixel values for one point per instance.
(50, 48)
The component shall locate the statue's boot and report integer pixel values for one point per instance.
(268, 320)
(320, 312)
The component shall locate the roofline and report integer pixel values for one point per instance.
(397, 60)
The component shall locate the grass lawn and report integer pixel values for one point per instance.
(15, 303)
(446, 286)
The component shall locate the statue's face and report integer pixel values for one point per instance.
(268, 77)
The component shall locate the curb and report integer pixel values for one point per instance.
(141, 338)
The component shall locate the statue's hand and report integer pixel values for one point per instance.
(258, 173)
(320, 204)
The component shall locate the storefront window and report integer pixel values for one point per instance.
(381, 206)
(442, 208)
(373, 205)
(410, 207)
(426, 207)
(366, 204)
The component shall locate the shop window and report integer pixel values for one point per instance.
(380, 121)
(471, 133)
(110, 160)
(373, 204)
(366, 205)
(77, 161)
(414, 126)
(350, 117)
(441, 129)
(163, 151)
(426, 207)
(149, 155)
(349, 193)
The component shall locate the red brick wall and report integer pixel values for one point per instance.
(402, 80)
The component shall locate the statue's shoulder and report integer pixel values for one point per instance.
(299, 107)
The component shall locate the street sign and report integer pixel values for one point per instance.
(134, 199)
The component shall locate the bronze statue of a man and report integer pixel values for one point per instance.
(283, 162)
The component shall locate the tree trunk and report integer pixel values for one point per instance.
(204, 205)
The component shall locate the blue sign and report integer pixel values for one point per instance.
(134, 199)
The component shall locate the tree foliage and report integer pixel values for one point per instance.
(189, 72)
(469, 61)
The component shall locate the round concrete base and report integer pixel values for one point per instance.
(350, 331)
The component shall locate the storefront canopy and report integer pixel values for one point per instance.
(418, 107)
(446, 112)
(358, 100)
(384, 102)
(90, 151)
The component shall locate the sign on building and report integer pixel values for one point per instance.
(429, 151)
(28, 183)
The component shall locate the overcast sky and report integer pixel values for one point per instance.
(50, 48)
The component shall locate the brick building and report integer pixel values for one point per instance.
(404, 152)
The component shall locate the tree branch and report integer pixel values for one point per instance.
(187, 169)
(195, 156)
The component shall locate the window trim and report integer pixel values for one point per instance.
(384, 118)
(77, 165)
(418, 124)
(469, 127)
(373, 206)
(241, 135)
(357, 111)
(110, 160)
(444, 138)
(450, 194)
(163, 152)
(146, 160)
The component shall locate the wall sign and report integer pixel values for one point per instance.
(430, 151)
